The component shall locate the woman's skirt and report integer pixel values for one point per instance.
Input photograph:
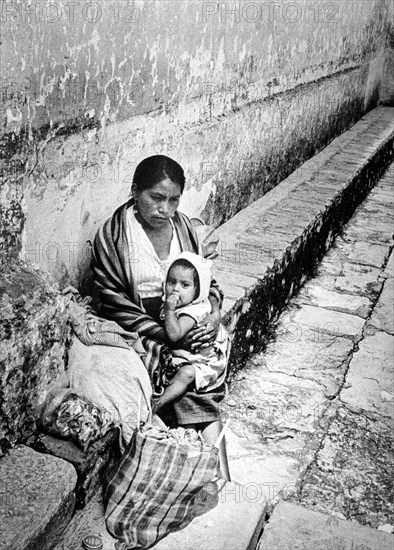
(195, 408)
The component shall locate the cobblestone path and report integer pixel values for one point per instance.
(312, 416)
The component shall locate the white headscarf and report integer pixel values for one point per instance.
(203, 268)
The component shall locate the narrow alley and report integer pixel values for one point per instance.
(311, 416)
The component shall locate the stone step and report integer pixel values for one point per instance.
(293, 527)
(221, 508)
(37, 499)
(270, 248)
(89, 465)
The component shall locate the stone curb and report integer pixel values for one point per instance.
(89, 465)
(267, 253)
(37, 499)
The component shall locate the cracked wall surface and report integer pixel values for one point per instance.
(240, 93)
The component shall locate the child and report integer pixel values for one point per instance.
(185, 303)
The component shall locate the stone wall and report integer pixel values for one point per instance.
(34, 332)
(239, 92)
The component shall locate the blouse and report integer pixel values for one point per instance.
(148, 269)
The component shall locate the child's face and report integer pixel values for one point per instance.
(180, 281)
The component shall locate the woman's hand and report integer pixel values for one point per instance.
(203, 334)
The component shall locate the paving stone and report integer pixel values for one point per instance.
(89, 521)
(272, 406)
(351, 474)
(326, 321)
(232, 292)
(362, 253)
(369, 254)
(385, 193)
(380, 232)
(316, 295)
(383, 314)
(236, 285)
(357, 280)
(382, 199)
(369, 382)
(273, 476)
(244, 264)
(37, 499)
(293, 527)
(308, 354)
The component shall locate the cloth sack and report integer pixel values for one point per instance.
(114, 379)
(65, 414)
(100, 390)
(149, 492)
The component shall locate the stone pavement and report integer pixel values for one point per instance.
(312, 416)
(294, 527)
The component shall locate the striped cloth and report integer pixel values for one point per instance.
(150, 492)
(120, 301)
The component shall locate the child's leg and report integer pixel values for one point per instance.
(210, 432)
(179, 385)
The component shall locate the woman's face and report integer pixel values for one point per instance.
(158, 204)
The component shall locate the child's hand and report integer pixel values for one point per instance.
(171, 302)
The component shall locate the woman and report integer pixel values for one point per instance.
(131, 253)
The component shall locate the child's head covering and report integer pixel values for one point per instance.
(203, 268)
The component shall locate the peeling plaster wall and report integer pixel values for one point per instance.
(240, 93)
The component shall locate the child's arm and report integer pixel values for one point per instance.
(176, 328)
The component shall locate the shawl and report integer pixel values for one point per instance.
(120, 301)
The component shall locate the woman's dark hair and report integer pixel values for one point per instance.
(155, 169)
(185, 264)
